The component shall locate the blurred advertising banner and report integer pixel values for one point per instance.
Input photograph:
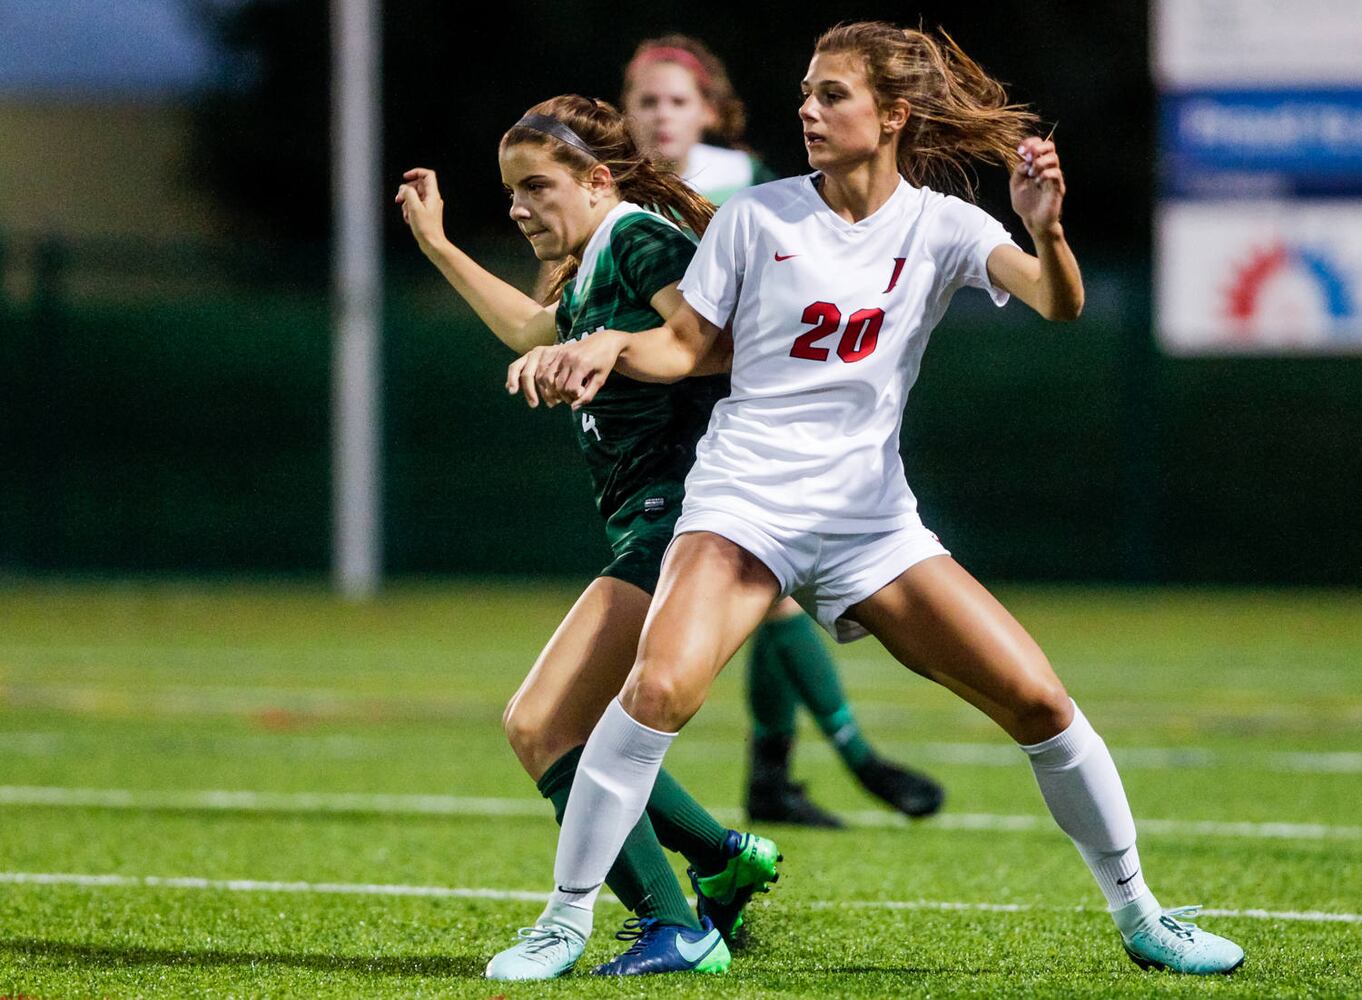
(1268, 276)
(1214, 43)
(1259, 227)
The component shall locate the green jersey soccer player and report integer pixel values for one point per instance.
(577, 186)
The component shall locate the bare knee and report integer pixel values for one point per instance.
(1041, 710)
(537, 742)
(520, 729)
(661, 698)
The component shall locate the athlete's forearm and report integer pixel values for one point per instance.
(508, 312)
(659, 355)
(1059, 285)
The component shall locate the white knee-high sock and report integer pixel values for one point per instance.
(1078, 779)
(615, 776)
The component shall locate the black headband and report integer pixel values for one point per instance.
(555, 128)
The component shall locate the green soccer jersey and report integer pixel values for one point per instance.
(633, 434)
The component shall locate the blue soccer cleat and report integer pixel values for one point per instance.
(1161, 939)
(721, 897)
(660, 947)
(544, 951)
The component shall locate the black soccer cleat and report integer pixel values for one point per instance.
(910, 792)
(785, 802)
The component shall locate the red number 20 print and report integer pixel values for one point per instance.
(858, 341)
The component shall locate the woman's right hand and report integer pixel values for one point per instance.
(422, 207)
(578, 369)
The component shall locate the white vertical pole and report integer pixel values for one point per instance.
(357, 305)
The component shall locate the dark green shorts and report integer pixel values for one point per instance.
(640, 531)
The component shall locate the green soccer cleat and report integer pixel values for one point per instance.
(544, 951)
(721, 897)
(1160, 939)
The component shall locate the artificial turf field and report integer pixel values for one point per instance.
(216, 790)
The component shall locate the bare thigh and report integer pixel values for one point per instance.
(579, 671)
(711, 596)
(939, 621)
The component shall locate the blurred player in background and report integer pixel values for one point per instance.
(829, 285)
(577, 185)
(676, 94)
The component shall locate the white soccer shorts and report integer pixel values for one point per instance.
(824, 573)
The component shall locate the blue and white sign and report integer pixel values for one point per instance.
(1259, 232)
(1264, 277)
(1306, 142)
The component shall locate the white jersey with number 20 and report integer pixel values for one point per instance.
(829, 321)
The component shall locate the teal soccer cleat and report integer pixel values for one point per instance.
(721, 897)
(662, 947)
(544, 951)
(1163, 939)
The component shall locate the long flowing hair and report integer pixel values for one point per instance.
(959, 114)
(637, 179)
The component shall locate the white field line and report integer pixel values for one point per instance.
(250, 801)
(150, 697)
(347, 746)
(528, 896)
(456, 805)
(1310, 916)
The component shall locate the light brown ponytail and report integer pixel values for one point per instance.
(603, 129)
(959, 114)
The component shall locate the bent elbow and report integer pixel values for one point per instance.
(1065, 312)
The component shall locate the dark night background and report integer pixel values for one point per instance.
(455, 77)
(172, 390)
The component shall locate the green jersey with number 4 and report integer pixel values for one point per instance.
(634, 435)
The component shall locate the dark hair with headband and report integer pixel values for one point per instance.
(710, 77)
(582, 133)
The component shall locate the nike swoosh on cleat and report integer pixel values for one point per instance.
(786, 256)
(693, 951)
(1123, 881)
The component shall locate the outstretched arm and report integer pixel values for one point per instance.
(1049, 282)
(685, 344)
(518, 321)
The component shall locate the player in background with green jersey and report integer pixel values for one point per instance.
(578, 187)
(677, 93)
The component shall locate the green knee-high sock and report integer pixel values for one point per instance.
(771, 697)
(641, 876)
(814, 676)
(685, 826)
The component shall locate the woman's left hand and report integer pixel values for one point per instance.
(1037, 186)
(526, 376)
